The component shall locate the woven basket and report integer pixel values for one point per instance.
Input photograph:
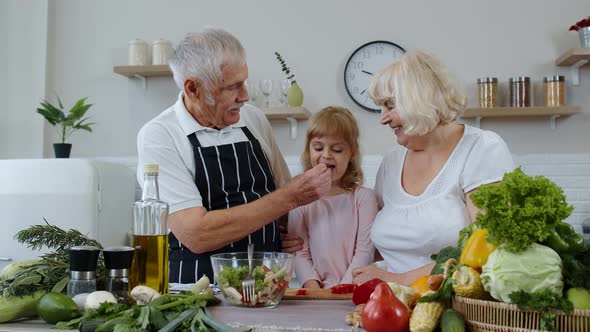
(491, 316)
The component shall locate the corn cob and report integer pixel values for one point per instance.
(468, 283)
(425, 316)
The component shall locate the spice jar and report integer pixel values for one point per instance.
(520, 91)
(83, 261)
(554, 90)
(138, 53)
(117, 263)
(487, 92)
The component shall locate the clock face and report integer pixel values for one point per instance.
(363, 64)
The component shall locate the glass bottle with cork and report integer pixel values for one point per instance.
(150, 236)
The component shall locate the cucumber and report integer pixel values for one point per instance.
(452, 321)
(15, 307)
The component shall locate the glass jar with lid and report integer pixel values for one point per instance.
(487, 92)
(554, 90)
(520, 91)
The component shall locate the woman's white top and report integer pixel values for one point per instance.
(409, 229)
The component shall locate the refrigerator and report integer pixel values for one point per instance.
(92, 196)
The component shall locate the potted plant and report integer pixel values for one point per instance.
(583, 29)
(294, 94)
(65, 124)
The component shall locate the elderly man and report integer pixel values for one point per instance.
(220, 168)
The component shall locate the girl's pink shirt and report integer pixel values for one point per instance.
(336, 236)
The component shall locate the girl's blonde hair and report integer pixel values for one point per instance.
(421, 90)
(339, 122)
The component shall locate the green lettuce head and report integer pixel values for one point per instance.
(535, 269)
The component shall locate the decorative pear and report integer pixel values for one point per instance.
(295, 95)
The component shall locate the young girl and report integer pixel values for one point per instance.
(335, 229)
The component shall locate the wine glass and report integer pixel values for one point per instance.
(253, 91)
(266, 86)
(285, 85)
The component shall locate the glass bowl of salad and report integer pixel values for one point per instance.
(271, 271)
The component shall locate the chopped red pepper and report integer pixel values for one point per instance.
(343, 288)
(362, 292)
(266, 269)
(301, 292)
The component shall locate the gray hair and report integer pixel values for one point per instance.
(200, 56)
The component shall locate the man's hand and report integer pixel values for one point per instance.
(290, 243)
(309, 186)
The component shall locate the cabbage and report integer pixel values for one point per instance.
(535, 269)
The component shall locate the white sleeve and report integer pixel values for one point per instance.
(155, 145)
(487, 162)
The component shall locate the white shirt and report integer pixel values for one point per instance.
(163, 141)
(409, 229)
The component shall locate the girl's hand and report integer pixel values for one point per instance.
(312, 283)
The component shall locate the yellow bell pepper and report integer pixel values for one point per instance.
(477, 249)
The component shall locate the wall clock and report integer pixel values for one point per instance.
(364, 62)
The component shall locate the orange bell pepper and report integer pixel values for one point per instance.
(420, 286)
(477, 249)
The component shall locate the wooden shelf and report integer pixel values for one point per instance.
(282, 113)
(537, 111)
(143, 71)
(574, 58)
(291, 114)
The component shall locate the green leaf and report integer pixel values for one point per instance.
(59, 287)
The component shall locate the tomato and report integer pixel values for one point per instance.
(266, 269)
(301, 292)
(362, 292)
(343, 288)
(282, 285)
(384, 312)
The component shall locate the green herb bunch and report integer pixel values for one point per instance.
(53, 267)
(285, 69)
(520, 209)
(66, 124)
(543, 301)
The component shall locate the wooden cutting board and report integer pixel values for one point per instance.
(315, 294)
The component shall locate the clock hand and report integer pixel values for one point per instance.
(363, 91)
(366, 72)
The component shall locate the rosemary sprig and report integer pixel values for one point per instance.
(38, 236)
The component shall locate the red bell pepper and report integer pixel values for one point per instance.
(362, 292)
(384, 312)
(343, 288)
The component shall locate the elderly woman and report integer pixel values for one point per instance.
(424, 184)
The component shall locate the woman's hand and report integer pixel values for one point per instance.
(366, 273)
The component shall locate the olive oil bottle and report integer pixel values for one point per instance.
(150, 236)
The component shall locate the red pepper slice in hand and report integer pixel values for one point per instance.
(343, 288)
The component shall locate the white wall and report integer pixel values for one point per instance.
(502, 38)
(23, 34)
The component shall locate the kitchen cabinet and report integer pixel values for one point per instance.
(552, 113)
(142, 73)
